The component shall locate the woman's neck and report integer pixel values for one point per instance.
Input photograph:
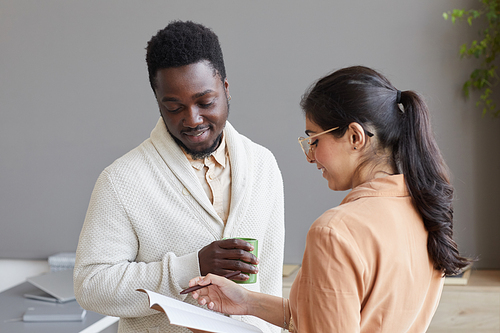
(371, 171)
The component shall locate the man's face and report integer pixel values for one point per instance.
(194, 106)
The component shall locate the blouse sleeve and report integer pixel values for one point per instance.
(330, 288)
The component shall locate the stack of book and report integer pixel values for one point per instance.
(460, 279)
(62, 261)
(289, 269)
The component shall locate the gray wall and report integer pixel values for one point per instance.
(74, 96)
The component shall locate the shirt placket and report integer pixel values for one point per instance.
(215, 186)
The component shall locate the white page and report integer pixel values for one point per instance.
(187, 315)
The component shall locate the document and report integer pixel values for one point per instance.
(187, 315)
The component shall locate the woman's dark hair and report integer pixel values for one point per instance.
(183, 43)
(360, 94)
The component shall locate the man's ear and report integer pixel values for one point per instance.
(357, 136)
(226, 88)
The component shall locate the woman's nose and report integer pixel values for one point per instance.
(310, 157)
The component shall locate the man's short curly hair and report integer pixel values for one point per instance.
(183, 43)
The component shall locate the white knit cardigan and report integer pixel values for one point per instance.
(149, 216)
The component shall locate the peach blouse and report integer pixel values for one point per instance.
(366, 267)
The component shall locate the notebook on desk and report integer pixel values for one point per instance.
(54, 286)
(70, 311)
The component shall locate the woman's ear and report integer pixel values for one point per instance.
(357, 136)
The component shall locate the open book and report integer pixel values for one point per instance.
(187, 315)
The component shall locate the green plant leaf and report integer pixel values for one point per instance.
(466, 87)
(486, 47)
(463, 49)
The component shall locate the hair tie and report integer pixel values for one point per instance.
(398, 97)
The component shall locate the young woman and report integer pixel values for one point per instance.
(376, 262)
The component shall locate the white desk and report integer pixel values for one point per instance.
(13, 305)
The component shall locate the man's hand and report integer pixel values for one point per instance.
(222, 257)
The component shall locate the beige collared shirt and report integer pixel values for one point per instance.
(214, 173)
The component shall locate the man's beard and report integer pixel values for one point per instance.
(199, 155)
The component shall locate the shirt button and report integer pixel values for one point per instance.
(211, 177)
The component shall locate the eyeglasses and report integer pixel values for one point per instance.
(305, 143)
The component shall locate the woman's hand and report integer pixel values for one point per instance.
(223, 295)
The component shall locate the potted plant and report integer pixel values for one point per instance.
(486, 48)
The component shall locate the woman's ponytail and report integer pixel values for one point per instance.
(426, 175)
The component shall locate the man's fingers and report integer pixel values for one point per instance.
(237, 254)
(223, 256)
(235, 243)
(237, 265)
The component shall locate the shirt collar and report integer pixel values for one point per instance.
(219, 155)
(390, 186)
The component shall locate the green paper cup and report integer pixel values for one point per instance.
(252, 277)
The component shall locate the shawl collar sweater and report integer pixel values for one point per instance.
(149, 216)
